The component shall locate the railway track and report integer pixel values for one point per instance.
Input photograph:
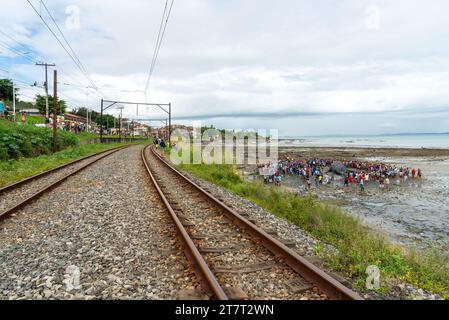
(232, 257)
(18, 195)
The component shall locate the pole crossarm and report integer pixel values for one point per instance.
(140, 103)
(161, 106)
(147, 119)
(112, 104)
(46, 65)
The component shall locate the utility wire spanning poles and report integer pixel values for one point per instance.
(46, 65)
(161, 106)
(160, 37)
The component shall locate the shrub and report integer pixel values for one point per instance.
(30, 141)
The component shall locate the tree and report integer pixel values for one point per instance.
(108, 121)
(40, 105)
(82, 112)
(24, 105)
(6, 86)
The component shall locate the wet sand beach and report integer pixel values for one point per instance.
(415, 213)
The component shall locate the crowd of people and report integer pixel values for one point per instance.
(74, 127)
(323, 171)
(159, 143)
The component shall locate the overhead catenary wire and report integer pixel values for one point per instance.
(62, 45)
(156, 45)
(159, 40)
(38, 57)
(68, 44)
(25, 84)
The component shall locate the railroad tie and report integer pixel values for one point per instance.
(250, 268)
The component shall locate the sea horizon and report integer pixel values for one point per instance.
(389, 140)
(363, 135)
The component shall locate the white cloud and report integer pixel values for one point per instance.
(251, 57)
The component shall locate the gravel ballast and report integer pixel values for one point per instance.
(12, 197)
(107, 223)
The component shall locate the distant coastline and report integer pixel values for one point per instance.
(406, 140)
(364, 135)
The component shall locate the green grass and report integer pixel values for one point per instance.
(358, 246)
(86, 136)
(123, 137)
(32, 120)
(17, 169)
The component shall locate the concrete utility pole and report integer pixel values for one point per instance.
(120, 124)
(13, 88)
(13, 101)
(55, 111)
(87, 119)
(46, 65)
(87, 112)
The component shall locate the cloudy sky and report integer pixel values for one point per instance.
(304, 67)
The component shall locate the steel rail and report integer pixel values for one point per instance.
(18, 184)
(202, 270)
(51, 186)
(330, 286)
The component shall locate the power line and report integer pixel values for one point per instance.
(38, 56)
(159, 42)
(26, 96)
(15, 51)
(61, 44)
(103, 88)
(68, 44)
(18, 80)
(11, 38)
(26, 83)
(156, 46)
(26, 48)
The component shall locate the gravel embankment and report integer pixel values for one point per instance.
(13, 197)
(108, 223)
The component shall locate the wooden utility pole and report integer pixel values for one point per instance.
(46, 65)
(55, 111)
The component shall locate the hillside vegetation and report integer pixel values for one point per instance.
(18, 140)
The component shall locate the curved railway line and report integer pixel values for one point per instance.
(232, 257)
(18, 195)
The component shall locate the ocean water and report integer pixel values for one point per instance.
(437, 140)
